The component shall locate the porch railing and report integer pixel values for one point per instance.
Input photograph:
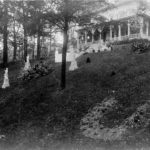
(131, 36)
(125, 37)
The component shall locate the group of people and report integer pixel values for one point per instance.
(98, 47)
(105, 46)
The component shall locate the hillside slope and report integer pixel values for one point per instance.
(36, 112)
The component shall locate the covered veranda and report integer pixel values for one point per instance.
(134, 27)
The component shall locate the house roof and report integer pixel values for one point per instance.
(126, 8)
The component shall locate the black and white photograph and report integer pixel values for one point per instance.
(74, 74)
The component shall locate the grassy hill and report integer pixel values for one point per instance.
(36, 113)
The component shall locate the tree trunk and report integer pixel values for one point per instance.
(63, 67)
(15, 46)
(50, 46)
(20, 52)
(25, 44)
(64, 50)
(38, 46)
(5, 37)
(33, 49)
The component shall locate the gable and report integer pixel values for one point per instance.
(122, 10)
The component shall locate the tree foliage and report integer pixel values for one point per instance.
(39, 18)
(64, 13)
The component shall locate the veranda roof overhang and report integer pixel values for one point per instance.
(107, 24)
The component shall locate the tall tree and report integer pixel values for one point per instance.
(5, 35)
(8, 26)
(64, 12)
(65, 42)
(36, 9)
(15, 27)
(22, 10)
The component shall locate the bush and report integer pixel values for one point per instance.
(137, 45)
(141, 46)
(93, 125)
(40, 69)
(127, 41)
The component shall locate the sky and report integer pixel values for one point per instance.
(113, 1)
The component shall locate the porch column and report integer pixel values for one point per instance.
(100, 36)
(119, 33)
(78, 41)
(93, 31)
(85, 37)
(115, 36)
(141, 26)
(147, 28)
(110, 32)
(129, 28)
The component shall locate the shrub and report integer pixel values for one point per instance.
(127, 41)
(40, 69)
(141, 46)
(92, 124)
(138, 45)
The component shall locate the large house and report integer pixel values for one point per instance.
(128, 19)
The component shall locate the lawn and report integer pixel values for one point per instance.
(37, 115)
